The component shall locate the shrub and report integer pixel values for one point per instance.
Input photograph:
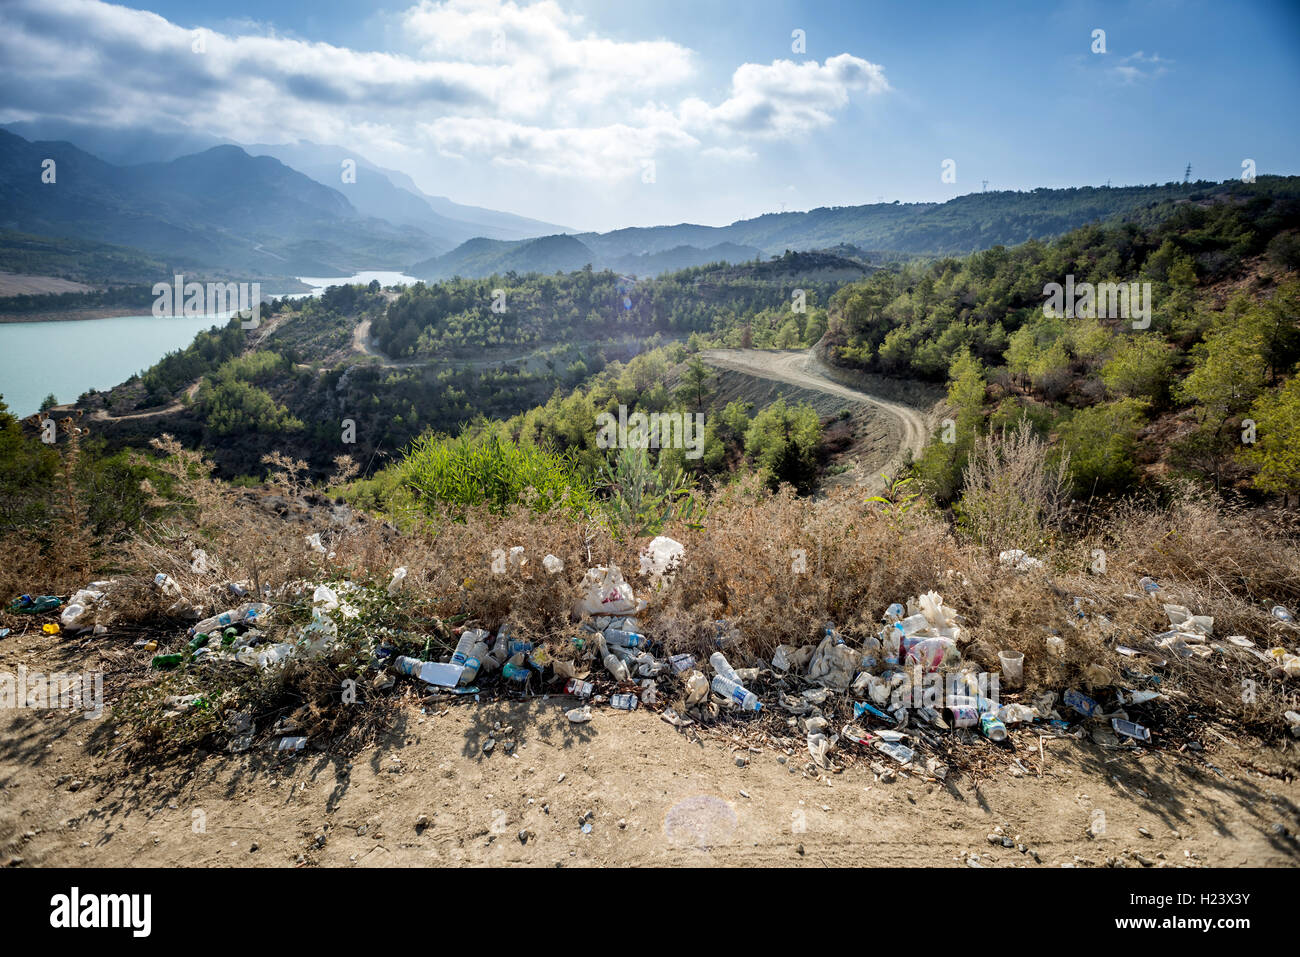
(487, 470)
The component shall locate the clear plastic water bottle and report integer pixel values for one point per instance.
(912, 624)
(405, 665)
(895, 612)
(723, 667)
(463, 646)
(616, 668)
(737, 692)
(627, 639)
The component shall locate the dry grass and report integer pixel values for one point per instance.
(776, 565)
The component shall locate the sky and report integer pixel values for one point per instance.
(599, 114)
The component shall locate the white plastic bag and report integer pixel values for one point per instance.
(398, 582)
(833, 666)
(605, 593)
(661, 558)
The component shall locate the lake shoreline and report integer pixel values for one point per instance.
(72, 315)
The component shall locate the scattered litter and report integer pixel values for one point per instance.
(1019, 560)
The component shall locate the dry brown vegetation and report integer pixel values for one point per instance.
(776, 565)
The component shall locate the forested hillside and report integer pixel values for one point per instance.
(1170, 390)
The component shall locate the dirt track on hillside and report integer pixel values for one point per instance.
(804, 370)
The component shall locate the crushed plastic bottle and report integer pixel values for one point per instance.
(249, 612)
(736, 693)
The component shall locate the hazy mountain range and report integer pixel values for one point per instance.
(290, 210)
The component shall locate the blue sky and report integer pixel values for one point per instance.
(607, 114)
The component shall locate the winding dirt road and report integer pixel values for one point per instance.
(803, 369)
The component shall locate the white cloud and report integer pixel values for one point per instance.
(606, 152)
(785, 98)
(1138, 66)
(489, 81)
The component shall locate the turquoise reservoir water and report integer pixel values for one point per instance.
(68, 358)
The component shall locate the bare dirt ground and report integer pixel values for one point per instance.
(18, 284)
(893, 432)
(655, 796)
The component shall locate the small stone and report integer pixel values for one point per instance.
(488, 745)
(741, 760)
(76, 785)
(799, 850)
(421, 823)
(523, 836)
(622, 824)
(1144, 832)
(253, 847)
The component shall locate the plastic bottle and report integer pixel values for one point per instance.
(627, 639)
(911, 625)
(736, 692)
(723, 667)
(477, 659)
(405, 665)
(465, 656)
(626, 655)
(894, 612)
(161, 662)
(681, 663)
(167, 585)
(616, 668)
(463, 646)
(247, 612)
